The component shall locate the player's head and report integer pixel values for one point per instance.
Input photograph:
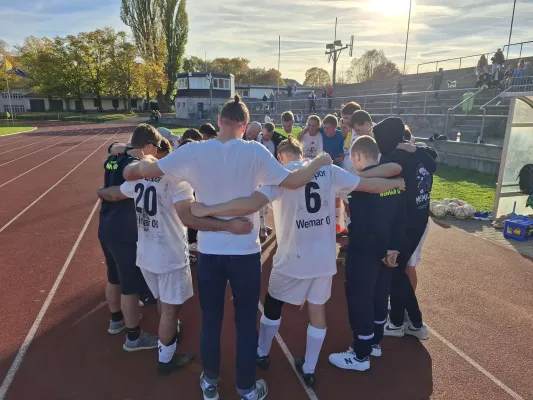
(233, 117)
(330, 123)
(388, 134)
(313, 122)
(287, 120)
(268, 131)
(289, 150)
(208, 131)
(361, 123)
(192, 134)
(146, 138)
(364, 152)
(346, 112)
(165, 148)
(253, 130)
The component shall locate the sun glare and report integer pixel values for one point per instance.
(390, 7)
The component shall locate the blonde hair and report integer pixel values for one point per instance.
(314, 118)
(290, 145)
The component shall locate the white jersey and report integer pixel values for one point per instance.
(313, 145)
(348, 142)
(305, 222)
(162, 244)
(270, 146)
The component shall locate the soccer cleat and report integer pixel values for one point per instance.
(145, 342)
(309, 379)
(210, 391)
(178, 361)
(376, 350)
(349, 361)
(193, 247)
(393, 330)
(419, 333)
(259, 393)
(116, 327)
(262, 362)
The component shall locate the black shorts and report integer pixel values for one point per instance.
(121, 266)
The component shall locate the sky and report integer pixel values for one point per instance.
(250, 28)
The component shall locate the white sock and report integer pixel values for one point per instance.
(315, 338)
(267, 330)
(166, 352)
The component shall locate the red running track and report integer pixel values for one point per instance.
(475, 294)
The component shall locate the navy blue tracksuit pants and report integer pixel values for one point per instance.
(402, 294)
(367, 290)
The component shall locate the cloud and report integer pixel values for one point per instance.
(244, 28)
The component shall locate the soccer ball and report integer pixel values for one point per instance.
(446, 201)
(450, 208)
(471, 209)
(462, 212)
(432, 205)
(439, 211)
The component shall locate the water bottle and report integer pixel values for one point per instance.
(458, 137)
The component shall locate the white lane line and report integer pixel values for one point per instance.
(41, 149)
(23, 137)
(465, 357)
(30, 144)
(33, 330)
(54, 185)
(50, 159)
(310, 392)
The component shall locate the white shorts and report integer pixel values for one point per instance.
(417, 255)
(296, 291)
(174, 287)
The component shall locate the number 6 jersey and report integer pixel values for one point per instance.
(162, 245)
(305, 222)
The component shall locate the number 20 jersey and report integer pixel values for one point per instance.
(162, 244)
(305, 222)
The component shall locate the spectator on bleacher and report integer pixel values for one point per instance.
(436, 82)
(299, 118)
(498, 59)
(329, 94)
(399, 91)
(520, 69)
(289, 90)
(272, 101)
(265, 101)
(482, 65)
(312, 102)
(294, 88)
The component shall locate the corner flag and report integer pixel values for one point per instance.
(8, 115)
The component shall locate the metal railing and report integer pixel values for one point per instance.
(516, 44)
(473, 95)
(473, 55)
(523, 84)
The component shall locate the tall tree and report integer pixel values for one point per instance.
(175, 23)
(193, 64)
(262, 76)
(317, 77)
(237, 66)
(373, 64)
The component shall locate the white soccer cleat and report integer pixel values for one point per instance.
(393, 330)
(419, 333)
(376, 351)
(349, 361)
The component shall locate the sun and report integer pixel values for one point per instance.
(391, 7)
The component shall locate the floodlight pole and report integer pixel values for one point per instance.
(407, 39)
(510, 32)
(279, 58)
(210, 79)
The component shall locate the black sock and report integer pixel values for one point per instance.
(117, 316)
(134, 333)
(174, 340)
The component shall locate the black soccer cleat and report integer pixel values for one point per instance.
(309, 379)
(262, 362)
(178, 361)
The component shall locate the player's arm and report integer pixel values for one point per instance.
(145, 168)
(112, 193)
(379, 185)
(233, 208)
(237, 226)
(397, 232)
(117, 148)
(383, 171)
(302, 175)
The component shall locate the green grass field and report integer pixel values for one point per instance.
(71, 117)
(476, 188)
(5, 130)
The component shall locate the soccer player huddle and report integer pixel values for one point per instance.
(221, 185)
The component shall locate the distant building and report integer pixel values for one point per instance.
(258, 91)
(193, 98)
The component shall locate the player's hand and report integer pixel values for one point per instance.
(240, 226)
(136, 153)
(391, 259)
(98, 193)
(199, 210)
(411, 148)
(400, 183)
(324, 158)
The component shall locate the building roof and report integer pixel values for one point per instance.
(204, 74)
(85, 96)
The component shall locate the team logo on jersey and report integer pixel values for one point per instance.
(111, 165)
(424, 183)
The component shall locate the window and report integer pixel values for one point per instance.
(243, 93)
(183, 83)
(115, 103)
(13, 95)
(14, 109)
(96, 103)
(133, 103)
(221, 83)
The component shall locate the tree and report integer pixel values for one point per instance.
(237, 66)
(373, 64)
(175, 23)
(193, 64)
(317, 77)
(262, 76)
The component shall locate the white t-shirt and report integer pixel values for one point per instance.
(269, 145)
(267, 119)
(348, 165)
(162, 245)
(305, 222)
(220, 172)
(313, 145)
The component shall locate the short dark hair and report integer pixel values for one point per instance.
(330, 120)
(367, 146)
(164, 146)
(269, 126)
(360, 117)
(350, 108)
(208, 130)
(192, 134)
(184, 142)
(287, 116)
(235, 110)
(407, 133)
(145, 134)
